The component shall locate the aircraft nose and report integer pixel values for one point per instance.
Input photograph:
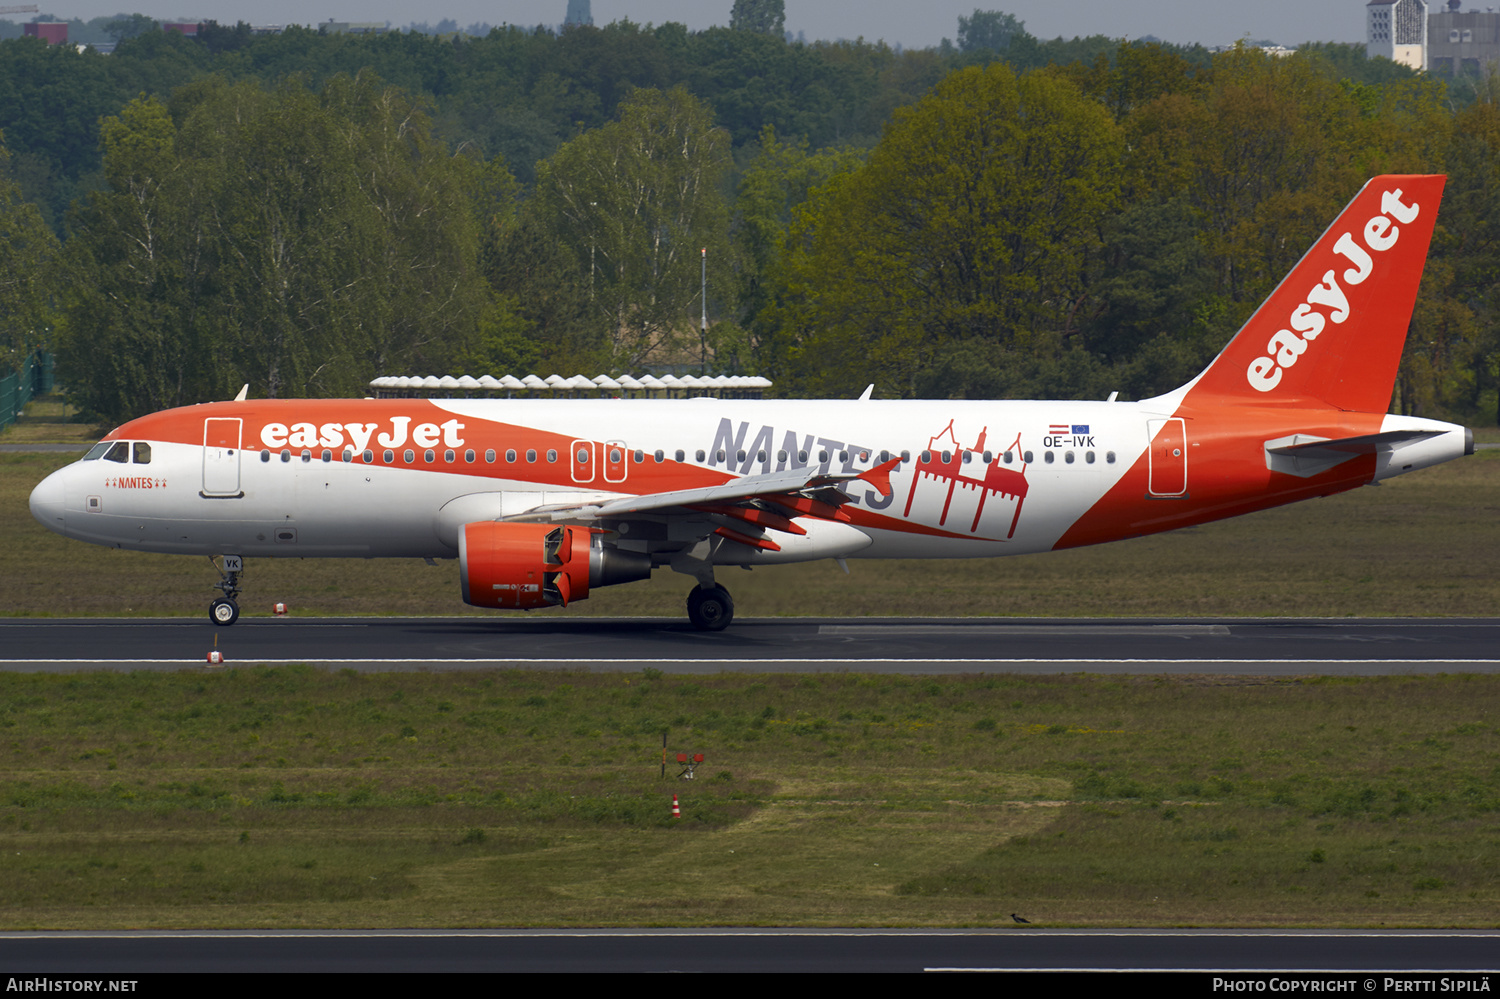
(49, 502)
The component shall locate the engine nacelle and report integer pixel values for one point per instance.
(520, 566)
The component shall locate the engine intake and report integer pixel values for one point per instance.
(518, 566)
(521, 566)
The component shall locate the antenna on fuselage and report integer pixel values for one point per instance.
(244, 391)
(865, 396)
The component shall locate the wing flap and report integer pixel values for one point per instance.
(772, 486)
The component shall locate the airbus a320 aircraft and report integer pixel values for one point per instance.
(542, 501)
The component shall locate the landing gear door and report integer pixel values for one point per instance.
(1168, 457)
(221, 458)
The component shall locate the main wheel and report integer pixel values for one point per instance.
(710, 608)
(223, 611)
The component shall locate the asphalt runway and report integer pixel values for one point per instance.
(1233, 647)
(1363, 958)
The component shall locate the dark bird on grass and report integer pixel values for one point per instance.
(1019, 919)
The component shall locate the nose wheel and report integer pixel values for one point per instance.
(710, 608)
(224, 611)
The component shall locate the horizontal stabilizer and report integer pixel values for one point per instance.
(1305, 455)
(1343, 447)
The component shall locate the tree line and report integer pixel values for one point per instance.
(1000, 217)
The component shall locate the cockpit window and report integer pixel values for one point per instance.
(120, 451)
(97, 451)
(142, 453)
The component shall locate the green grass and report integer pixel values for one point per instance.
(298, 797)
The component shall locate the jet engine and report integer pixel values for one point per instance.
(521, 566)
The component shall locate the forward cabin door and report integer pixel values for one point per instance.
(221, 458)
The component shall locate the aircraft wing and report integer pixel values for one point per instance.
(769, 486)
(741, 510)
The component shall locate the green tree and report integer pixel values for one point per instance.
(969, 225)
(300, 241)
(636, 201)
(766, 17)
(27, 249)
(988, 30)
(130, 27)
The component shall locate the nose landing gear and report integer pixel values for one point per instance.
(224, 611)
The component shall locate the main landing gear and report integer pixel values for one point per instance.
(710, 608)
(224, 611)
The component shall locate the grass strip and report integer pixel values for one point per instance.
(293, 796)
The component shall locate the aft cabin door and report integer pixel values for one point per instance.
(221, 458)
(1168, 458)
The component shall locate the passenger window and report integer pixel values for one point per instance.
(701, 453)
(409, 455)
(489, 456)
(390, 456)
(1068, 457)
(659, 457)
(142, 453)
(1010, 456)
(531, 454)
(583, 456)
(1028, 457)
(802, 457)
(265, 456)
(306, 454)
(120, 452)
(469, 456)
(428, 456)
(1109, 456)
(327, 455)
(551, 455)
(348, 455)
(988, 457)
(640, 456)
(286, 454)
(926, 456)
(681, 455)
(1088, 456)
(968, 457)
(1047, 457)
(448, 456)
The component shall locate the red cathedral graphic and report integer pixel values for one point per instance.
(974, 480)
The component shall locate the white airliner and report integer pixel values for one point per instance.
(541, 501)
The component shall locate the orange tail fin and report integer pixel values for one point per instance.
(1332, 332)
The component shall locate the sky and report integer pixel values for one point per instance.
(913, 25)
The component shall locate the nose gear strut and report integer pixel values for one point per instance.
(224, 611)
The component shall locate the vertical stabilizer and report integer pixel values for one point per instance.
(1332, 332)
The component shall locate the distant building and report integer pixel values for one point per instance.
(1397, 29)
(182, 28)
(51, 32)
(1463, 41)
(579, 12)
